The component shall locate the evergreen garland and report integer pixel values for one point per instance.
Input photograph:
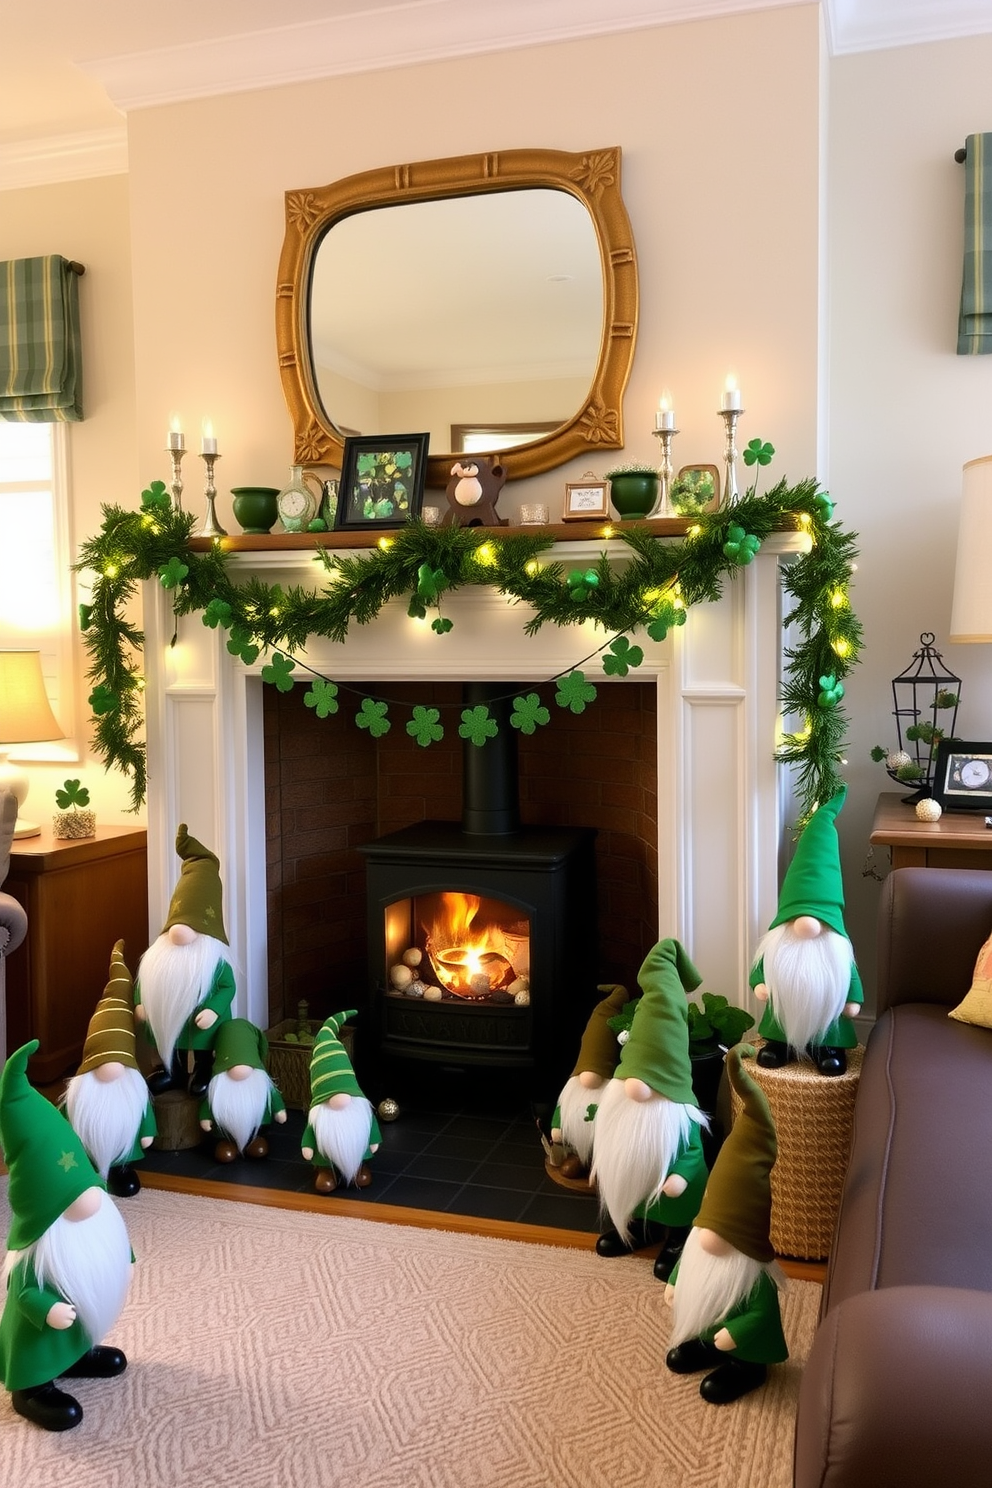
(424, 564)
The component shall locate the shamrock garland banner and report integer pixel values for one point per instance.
(651, 593)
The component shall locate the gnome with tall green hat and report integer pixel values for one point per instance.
(185, 984)
(572, 1121)
(804, 968)
(68, 1260)
(648, 1162)
(107, 1100)
(342, 1131)
(241, 1097)
(724, 1292)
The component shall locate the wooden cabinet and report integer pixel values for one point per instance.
(960, 839)
(80, 898)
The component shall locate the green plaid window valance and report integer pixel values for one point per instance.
(975, 319)
(40, 372)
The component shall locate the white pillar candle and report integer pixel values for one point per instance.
(665, 416)
(731, 394)
(208, 443)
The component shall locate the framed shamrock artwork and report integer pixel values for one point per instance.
(382, 480)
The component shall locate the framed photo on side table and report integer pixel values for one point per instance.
(382, 480)
(962, 778)
(586, 501)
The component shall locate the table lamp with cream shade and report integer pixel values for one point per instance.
(971, 609)
(26, 717)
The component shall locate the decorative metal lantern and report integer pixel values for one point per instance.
(926, 697)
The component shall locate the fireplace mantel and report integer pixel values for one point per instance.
(722, 799)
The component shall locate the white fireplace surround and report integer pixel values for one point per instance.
(723, 801)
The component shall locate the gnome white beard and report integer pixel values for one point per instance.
(173, 981)
(709, 1287)
(88, 1261)
(577, 1129)
(238, 1106)
(106, 1114)
(636, 1145)
(808, 980)
(343, 1136)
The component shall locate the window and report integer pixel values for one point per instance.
(35, 573)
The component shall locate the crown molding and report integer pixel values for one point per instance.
(878, 25)
(64, 157)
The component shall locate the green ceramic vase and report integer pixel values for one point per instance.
(633, 494)
(255, 507)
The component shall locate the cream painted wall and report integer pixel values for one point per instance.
(905, 410)
(88, 221)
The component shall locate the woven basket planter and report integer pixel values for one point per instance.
(289, 1062)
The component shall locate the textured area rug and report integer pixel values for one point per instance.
(275, 1349)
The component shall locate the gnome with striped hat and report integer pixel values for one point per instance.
(724, 1291)
(107, 1100)
(342, 1131)
(241, 1097)
(572, 1124)
(648, 1161)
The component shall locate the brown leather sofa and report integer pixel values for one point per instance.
(897, 1391)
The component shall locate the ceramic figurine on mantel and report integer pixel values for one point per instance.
(299, 502)
(472, 492)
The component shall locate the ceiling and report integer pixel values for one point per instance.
(70, 72)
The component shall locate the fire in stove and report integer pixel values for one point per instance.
(469, 949)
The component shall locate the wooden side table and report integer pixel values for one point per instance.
(960, 839)
(80, 896)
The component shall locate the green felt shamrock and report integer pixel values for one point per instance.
(155, 497)
(740, 546)
(424, 726)
(240, 643)
(442, 625)
(758, 453)
(621, 656)
(103, 700)
(218, 612)
(663, 621)
(529, 713)
(831, 692)
(477, 725)
(279, 672)
(823, 504)
(430, 582)
(372, 716)
(322, 697)
(171, 574)
(574, 692)
(73, 795)
(582, 584)
(85, 616)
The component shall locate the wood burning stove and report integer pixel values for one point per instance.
(482, 933)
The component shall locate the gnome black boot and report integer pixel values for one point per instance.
(642, 1233)
(692, 1356)
(829, 1061)
(123, 1182)
(773, 1054)
(159, 1080)
(47, 1406)
(203, 1068)
(732, 1380)
(668, 1256)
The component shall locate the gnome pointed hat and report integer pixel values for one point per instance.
(599, 1050)
(110, 1036)
(198, 898)
(48, 1166)
(239, 1042)
(331, 1072)
(657, 1050)
(813, 883)
(737, 1203)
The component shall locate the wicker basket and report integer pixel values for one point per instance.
(289, 1063)
(814, 1118)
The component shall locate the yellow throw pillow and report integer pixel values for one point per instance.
(977, 1005)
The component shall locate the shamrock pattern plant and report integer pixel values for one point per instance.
(621, 656)
(322, 697)
(529, 713)
(373, 716)
(171, 574)
(574, 692)
(279, 672)
(740, 546)
(73, 794)
(424, 726)
(477, 725)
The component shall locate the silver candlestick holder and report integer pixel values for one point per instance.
(731, 495)
(177, 449)
(211, 527)
(663, 506)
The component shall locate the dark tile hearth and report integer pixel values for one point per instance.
(462, 1160)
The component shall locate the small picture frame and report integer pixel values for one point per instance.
(586, 501)
(962, 778)
(695, 489)
(382, 481)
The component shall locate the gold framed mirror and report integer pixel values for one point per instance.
(556, 219)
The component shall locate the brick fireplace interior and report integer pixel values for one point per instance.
(331, 788)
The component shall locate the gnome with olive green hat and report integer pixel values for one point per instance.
(724, 1292)
(185, 984)
(804, 967)
(241, 1097)
(107, 1100)
(572, 1122)
(68, 1261)
(342, 1131)
(648, 1161)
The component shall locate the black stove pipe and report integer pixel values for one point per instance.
(490, 789)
